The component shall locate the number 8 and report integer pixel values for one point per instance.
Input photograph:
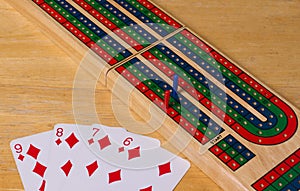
(59, 132)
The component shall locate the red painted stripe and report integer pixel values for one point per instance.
(83, 4)
(260, 185)
(106, 22)
(224, 157)
(160, 103)
(271, 177)
(277, 171)
(191, 129)
(292, 160)
(131, 78)
(146, 4)
(120, 69)
(142, 87)
(217, 111)
(216, 150)
(228, 120)
(282, 168)
(171, 112)
(165, 17)
(181, 120)
(292, 122)
(190, 89)
(70, 27)
(151, 95)
(200, 137)
(226, 63)
(38, 1)
(182, 82)
(128, 39)
(196, 41)
(102, 53)
(80, 35)
(233, 165)
(206, 103)
(110, 25)
(166, 70)
(280, 138)
(160, 65)
(298, 153)
(193, 92)
(253, 83)
(54, 14)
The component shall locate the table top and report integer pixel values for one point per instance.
(36, 76)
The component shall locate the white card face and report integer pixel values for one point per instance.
(74, 167)
(123, 138)
(31, 156)
(129, 151)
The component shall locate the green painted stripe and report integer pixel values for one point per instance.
(232, 152)
(151, 15)
(215, 99)
(136, 36)
(85, 30)
(270, 188)
(240, 159)
(291, 175)
(223, 145)
(119, 23)
(297, 168)
(282, 121)
(280, 183)
(173, 103)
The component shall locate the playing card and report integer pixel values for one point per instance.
(126, 151)
(31, 156)
(124, 138)
(72, 166)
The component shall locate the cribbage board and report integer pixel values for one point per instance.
(244, 136)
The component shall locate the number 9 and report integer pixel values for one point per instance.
(18, 148)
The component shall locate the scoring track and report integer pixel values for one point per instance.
(216, 98)
(278, 127)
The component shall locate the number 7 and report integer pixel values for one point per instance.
(96, 131)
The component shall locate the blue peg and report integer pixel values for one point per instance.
(175, 85)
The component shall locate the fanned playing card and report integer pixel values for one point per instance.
(60, 160)
(31, 156)
(126, 153)
(75, 167)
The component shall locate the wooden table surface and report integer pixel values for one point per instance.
(36, 76)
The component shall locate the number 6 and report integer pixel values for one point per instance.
(127, 141)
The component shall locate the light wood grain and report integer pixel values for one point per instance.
(36, 76)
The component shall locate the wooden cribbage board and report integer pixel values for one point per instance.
(249, 133)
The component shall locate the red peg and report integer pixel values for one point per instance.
(167, 98)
